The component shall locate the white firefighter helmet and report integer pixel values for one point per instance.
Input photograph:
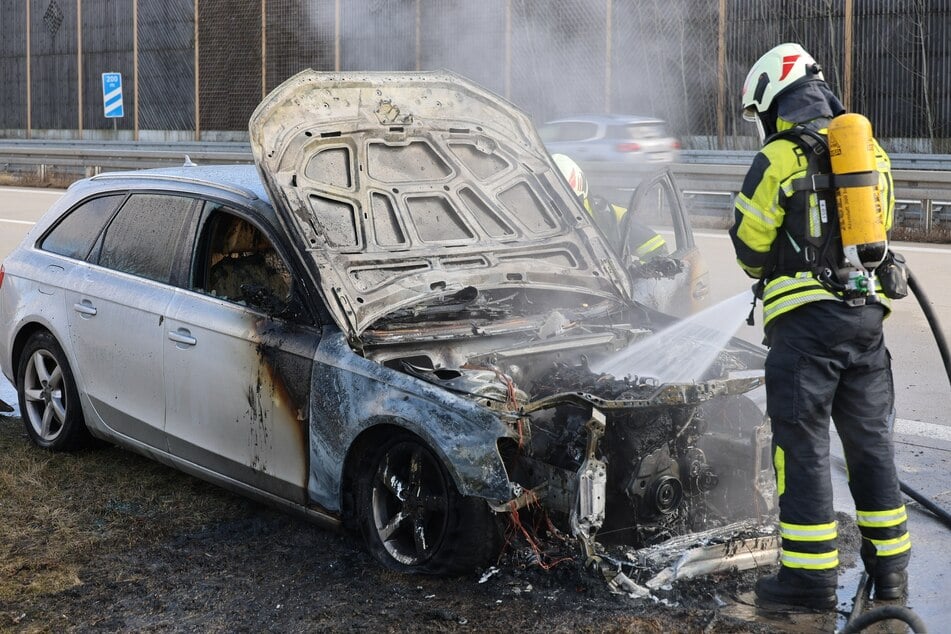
(573, 174)
(774, 72)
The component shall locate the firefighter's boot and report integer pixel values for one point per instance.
(891, 585)
(791, 587)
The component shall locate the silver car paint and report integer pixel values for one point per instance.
(237, 393)
(232, 429)
(117, 338)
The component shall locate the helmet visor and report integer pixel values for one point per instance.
(750, 114)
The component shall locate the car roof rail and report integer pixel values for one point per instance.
(229, 187)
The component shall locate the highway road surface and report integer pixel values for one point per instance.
(923, 394)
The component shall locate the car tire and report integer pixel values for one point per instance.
(49, 400)
(413, 518)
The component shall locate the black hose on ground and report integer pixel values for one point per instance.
(932, 322)
(940, 513)
(942, 344)
(883, 613)
(859, 620)
(862, 596)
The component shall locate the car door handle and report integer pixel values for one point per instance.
(85, 308)
(700, 290)
(183, 336)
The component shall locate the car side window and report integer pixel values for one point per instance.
(577, 131)
(657, 204)
(638, 131)
(144, 236)
(75, 234)
(238, 262)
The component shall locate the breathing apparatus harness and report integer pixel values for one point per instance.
(819, 254)
(816, 243)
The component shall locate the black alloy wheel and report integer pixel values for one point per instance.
(412, 516)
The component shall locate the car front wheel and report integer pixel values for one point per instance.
(49, 400)
(413, 518)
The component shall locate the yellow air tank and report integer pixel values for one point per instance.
(861, 211)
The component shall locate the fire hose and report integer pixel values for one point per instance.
(859, 620)
(942, 344)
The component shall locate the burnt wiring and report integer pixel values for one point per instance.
(512, 403)
(517, 527)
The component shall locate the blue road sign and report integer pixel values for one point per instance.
(112, 95)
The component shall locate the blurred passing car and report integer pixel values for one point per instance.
(641, 142)
(388, 324)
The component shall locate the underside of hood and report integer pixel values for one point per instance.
(409, 188)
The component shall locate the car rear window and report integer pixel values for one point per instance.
(75, 234)
(638, 131)
(142, 239)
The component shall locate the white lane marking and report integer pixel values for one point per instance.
(704, 234)
(18, 222)
(922, 430)
(903, 247)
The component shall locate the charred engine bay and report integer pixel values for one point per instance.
(677, 458)
(659, 480)
(655, 472)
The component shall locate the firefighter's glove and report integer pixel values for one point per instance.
(656, 267)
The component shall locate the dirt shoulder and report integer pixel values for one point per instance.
(104, 540)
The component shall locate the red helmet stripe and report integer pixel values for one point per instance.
(573, 180)
(788, 62)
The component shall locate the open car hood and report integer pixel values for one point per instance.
(410, 187)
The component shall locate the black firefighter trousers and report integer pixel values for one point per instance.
(829, 359)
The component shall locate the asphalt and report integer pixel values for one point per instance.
(923, 458)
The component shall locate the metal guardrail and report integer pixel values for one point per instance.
(96, 157)
(738, 157)
(922, 196)
(708, 178)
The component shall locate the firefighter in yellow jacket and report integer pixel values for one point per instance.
(622, 230)
(822, 316)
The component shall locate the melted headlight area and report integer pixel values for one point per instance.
(634, 466)
(622, 461)
(657, 476)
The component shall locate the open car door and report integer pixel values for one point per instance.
(676, 282)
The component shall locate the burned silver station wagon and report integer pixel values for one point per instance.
(390, 323)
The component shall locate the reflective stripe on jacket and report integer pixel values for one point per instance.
(643, 241)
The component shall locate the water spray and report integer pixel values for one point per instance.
(684, 351)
